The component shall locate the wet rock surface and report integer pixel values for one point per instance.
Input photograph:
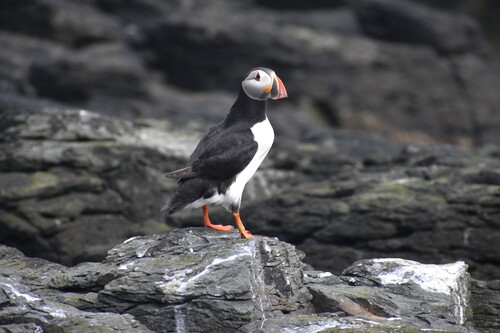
(195, 280)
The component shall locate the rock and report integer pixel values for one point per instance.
(66, 22)
(420, 285)
(483, 115)
(410, 22)
(98, 72)
(485, 304)
(67, 178)
(187, 280)
(178, 60)
(67, 194)
(314, 4)
(198, 279)
(336, 323)
(228, 285)
(426, 203)
(25, 307)
(335, 64)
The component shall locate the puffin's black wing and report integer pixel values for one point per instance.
(187, 172)
(226, 155)
(208, 139)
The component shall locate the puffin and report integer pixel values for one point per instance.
(228, 155)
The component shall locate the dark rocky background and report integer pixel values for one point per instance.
(387, 147)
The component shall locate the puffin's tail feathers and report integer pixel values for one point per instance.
(181, 173)
(172, 207)
(188, 191)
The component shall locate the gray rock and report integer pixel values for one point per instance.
(485, 302)
(343, 69)
(91, 76)
(68, 196)
(425, 203)
(416, 290)
(410, 22)
(353, 65)
(201, 280)
(45, 314)
(336, 323)
(63, 175)
(387, 295)
(185, 281)
(66, 181)
(225, 284)
(27, 303)
(67, 22)
(314, 4)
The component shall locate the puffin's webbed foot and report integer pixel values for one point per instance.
(219, 227)
(244, 233)
(208, 224)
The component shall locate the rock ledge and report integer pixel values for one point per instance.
(199, 280)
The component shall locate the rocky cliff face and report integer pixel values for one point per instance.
(76, 178)
(74, 184)
(393, 67)
(200, 280)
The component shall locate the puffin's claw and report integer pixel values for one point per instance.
(219, 227)
(246, 234)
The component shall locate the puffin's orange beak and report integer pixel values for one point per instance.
(278, 90)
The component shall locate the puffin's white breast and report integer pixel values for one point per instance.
(263, 134)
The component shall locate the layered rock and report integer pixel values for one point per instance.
(71, 181)
(426, 203)
(74, 184)
(199, 280)
(394, 67)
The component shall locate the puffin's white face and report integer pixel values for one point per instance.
(261, 85)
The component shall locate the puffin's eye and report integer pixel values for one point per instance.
(257, 77)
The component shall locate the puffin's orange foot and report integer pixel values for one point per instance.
(219, 227)
(245, 234)
(208, 224)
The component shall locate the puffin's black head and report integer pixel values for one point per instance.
(262, 83)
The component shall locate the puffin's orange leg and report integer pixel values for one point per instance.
(244, 233)
(208, 224)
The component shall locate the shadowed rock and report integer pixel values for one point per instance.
(394, 67)
(66, 181)
(410, 22)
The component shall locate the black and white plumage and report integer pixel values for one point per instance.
(227, 157)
